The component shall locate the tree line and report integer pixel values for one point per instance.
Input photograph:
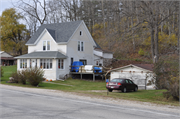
(120, 26)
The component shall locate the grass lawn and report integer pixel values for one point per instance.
(97, 89)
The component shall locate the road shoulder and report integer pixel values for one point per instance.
(99, 99)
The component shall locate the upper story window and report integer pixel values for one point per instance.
(23, 63)
(80, 33)
(80, 46)
(46, 45)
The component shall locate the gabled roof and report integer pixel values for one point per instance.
(145, 66)
(148, 67)
(43, 54)
(52, 33)
(97, 45)
(61, 32)
(101, 50)
(5, 54)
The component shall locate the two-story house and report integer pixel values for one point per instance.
(54, 47)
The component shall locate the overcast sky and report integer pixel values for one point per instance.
(4, 4)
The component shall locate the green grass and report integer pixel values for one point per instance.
(8, 70)
(96, 89)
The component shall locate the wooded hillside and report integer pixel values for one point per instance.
(130, 29)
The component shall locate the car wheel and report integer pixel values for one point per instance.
(135, 89)
(110, 90)
(124, 90)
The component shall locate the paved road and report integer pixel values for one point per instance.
(17, 104)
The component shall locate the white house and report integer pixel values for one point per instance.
(140, 74)
(54, 47)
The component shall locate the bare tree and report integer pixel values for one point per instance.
(34, 8)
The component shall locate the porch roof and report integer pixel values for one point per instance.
(43, 54)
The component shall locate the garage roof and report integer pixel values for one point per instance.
(148, 67)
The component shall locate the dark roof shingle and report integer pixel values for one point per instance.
(145, 66)
(61, 32)
(43, 54)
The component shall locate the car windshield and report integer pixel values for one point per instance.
(117, 80)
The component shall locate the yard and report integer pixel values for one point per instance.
(97, 89)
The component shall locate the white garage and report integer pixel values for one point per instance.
(140, 74)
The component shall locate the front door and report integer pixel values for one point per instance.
(33, 62)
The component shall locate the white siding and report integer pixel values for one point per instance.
(70, 50)
(108, 55)
(53, 45)
(60, 73)
(135, 75)
(98, 53)
(72, 47)
(99, 59)
(48, 73)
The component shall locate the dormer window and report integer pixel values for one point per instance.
(80, 33)
(46, 45)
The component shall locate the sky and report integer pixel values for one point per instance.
(5, 4)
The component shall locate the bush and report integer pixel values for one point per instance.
(141, 52)
(167, 77)
(2, 71)
(18, 77)
(22, 77)
(173, 88)
(15, 77)
(34, 76)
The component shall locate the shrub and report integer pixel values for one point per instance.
(2, 71)
(173, 88)
(141, 52)
(15, 77)
(18, 77)
(167, 77)
(22, 76)
(34, 76)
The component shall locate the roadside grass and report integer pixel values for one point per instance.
(8, 70)
(94, 89)
(153, 96)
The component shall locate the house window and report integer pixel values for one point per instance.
(72, 61)
(80, 33)
(23, 63)
(80, 46)
(46, 45)
(46, 63)
(83, 61)
(61, 64)
(97, 63)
